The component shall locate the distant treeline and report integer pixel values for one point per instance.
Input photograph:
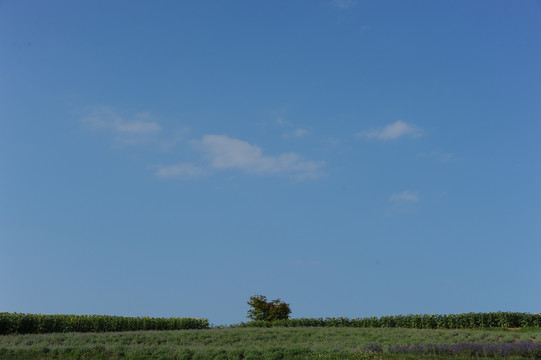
(424, 321)
(13, 323)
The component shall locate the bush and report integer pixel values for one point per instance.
(263, 310)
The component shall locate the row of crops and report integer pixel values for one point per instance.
(425, 321)
(13, 323)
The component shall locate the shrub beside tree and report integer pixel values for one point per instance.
(263, 310)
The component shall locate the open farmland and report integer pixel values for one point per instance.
(270, 180)
(278, 343)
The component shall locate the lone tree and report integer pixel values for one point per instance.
(264, 310)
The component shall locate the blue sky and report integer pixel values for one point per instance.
(353, 158)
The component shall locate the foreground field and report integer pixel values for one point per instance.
(265, 343)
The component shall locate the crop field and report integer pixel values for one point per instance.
(19, 323)
(278, 343)
(497, 335)
(39, 323)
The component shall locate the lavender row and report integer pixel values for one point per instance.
(523, 349)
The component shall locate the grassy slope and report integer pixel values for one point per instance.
(235, 343)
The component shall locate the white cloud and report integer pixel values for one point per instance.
(136, 129)
(392, 131)
(224, 152)
(180, 171)
(405, 196)
(220, 152)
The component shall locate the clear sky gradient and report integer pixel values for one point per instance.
(353, 158)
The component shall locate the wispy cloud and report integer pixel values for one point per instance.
(344, 4)
(298, 133)
(174, 138)
(282, 122)
(392, 131)
(224, 153)
(293, 131)
(180, 171)
(439, 156)
(405, 196)
(210, 154)
(135, 129)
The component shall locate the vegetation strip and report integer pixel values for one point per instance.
(501, 335)
(270, 343)
(424, 321)
(521, 349)
(13, 323)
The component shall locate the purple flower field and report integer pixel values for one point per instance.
(524, 349)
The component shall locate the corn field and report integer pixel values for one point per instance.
(425, 321)
(19, 323)
(13, 323)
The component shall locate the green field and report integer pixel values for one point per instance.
(259, 343)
